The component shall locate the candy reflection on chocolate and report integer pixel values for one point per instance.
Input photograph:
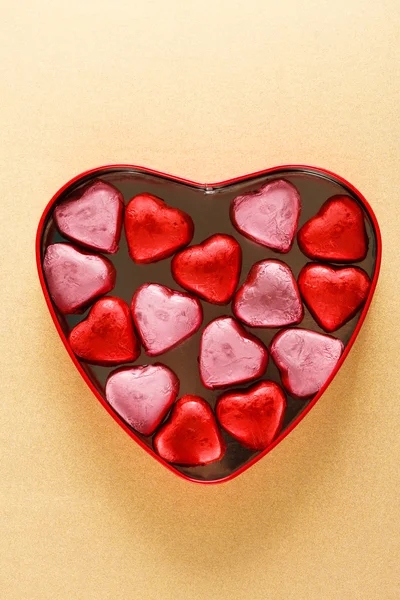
(229, 355)
(75, 278)
(163, 317)
(336, 233)
(269, 297)
(254, 416)
(142, 396)
(305, 359)
(191, 435)
(333, 295)
(92, 216)
(155, 230)
(210, 269)
(106, 336)
(269, 215)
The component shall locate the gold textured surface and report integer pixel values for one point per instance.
(206, 90)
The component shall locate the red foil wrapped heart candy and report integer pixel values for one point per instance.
(269, 297)
(210, 269)
(269, 215)
(75, 278)
(155, 230)
(333, 295)
(191, 436)
(107, 336)
(254, 416)
(163, 317)
(305, 359)
(336, 233)
(143, 395)
(229, 355)
(92, 217)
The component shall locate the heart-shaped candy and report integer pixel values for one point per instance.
(107, 336)
(229, 355)
(163, 317)
(210, 269)
(191, 435)
(155, 230)
(254, 416)
(75, 278)
(305, 359)
(269, 215)
(92, 217)
(269, 297)
(140, 396)
(143, 395)
(337, 232)
(333, 295)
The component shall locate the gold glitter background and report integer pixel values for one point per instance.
(205, 90)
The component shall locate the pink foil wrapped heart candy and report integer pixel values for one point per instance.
(269, 297)
(75, 278)
(305, 359)
(269, 215)
(163, 317)
(142, 396)
(92, 217)
(229, 355)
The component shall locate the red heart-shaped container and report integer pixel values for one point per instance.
(209, 207)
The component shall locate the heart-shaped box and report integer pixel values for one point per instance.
(209, 207)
